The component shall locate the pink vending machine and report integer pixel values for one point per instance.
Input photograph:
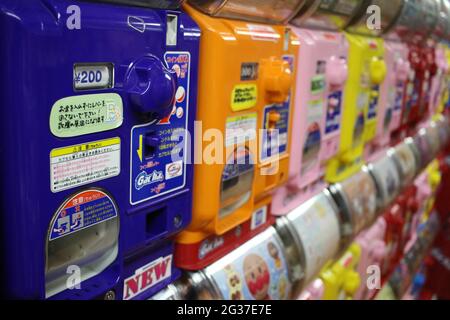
(319, 94)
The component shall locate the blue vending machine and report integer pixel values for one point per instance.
(98, 101)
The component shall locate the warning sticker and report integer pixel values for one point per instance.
(240, 129)
(81, 211)
(81, 164)
(244, 96)
(84, 114)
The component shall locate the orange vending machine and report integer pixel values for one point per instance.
(245, 109)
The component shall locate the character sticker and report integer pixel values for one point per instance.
(359, 192)
(158, 149)
(334, 105)
(311, 145)
(82, 210)
(255, 271)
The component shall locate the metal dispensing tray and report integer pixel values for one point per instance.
(332, 15)
(92, 249)
(266, 11)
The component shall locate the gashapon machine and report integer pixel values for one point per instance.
(367, 70)
(319, 95)
(416, 22)
(386, 87)
(245, 96)
(105, 193)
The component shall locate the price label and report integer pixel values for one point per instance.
(93, 76)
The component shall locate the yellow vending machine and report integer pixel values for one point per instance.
(242, 137)
(367, 70)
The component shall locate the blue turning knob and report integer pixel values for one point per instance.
(151, 87)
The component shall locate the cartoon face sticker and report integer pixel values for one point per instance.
(257, 276)
(275, 254)
(234, 283)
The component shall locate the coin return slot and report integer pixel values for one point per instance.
(155, 222)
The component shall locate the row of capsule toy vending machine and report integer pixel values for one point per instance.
(324, 248)
(246, 143)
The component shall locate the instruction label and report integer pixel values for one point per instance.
(81, 211)
(158, 169)
(85, 114)
(77, 165)
(240, 129)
